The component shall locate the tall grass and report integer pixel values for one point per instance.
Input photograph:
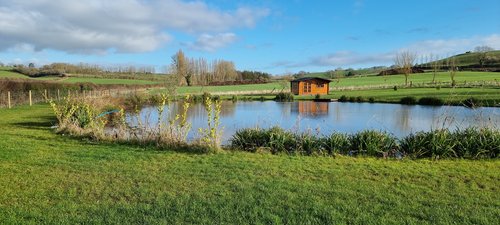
(471, 143)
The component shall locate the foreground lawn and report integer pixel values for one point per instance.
(47, 178)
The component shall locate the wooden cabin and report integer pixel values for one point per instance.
(310, 86)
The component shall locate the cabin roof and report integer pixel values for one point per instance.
(310, 78)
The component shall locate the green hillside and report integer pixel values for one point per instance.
(468, 59)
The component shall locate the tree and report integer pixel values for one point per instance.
(31, 65)
(181, 68)
(436, 66)
(404, 60)
(482, 52)
(453, 71)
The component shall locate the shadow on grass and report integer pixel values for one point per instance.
(41, 123)
(140, 146)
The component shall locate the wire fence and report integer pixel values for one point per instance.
(9, 99)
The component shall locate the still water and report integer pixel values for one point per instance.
(327, 117)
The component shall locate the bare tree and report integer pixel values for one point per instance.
(436, 66)
(180, 66)
(404, 60)
(453, 70)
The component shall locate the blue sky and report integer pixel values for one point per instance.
(272, 36)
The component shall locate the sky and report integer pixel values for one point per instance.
(277, 37)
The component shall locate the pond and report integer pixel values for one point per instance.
(327, 117)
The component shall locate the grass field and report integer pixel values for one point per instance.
(247, 87)
(460, 77)
(447, 94)
(8, 74)
(48, 178)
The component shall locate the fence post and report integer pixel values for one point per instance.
(58, 96)
(31, 102)
(8, 97)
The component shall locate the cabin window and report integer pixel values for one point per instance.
(321, 85)
(307, 87)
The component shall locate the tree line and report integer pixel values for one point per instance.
(199, 71)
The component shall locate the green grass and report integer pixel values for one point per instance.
(416, 79)
(8, 74)
(453, 95)
(468, 59)
(229, 88)
(47, 178)
(107, 81)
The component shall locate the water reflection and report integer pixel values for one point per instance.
(327, 117)
(310, 109)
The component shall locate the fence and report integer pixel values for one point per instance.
(9, 99)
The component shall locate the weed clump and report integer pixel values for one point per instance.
(284, 97)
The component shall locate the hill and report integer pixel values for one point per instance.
(471, 60)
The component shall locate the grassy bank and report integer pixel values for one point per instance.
(47, 178)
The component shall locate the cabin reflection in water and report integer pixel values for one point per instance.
(310, 108)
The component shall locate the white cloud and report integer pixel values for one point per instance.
(101, 26)
(210, 43)
(440, 47)
(453, 46)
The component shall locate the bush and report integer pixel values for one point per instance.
(372, 143)
(472, 102)
(234, 98)
(408, 100)
(395, 88)
(360, 99)
(470, 143)
(336, 143)
(352, 99)
(434, 144)
(317, 96)
(284, 97)
(371, 99)
(430, 101)
(476, 143)
(343, 98)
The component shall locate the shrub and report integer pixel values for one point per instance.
(135, 101)
(395, 88)
(336, 143)
(477, 143)
(472, 102)
(360, 99)
(435, 144)
(430, 101)
(352, 99)
(317, 96)
(372, 143)
(371, 100)
(234, 98)
(343, 98)
(410, 100)
(284, 97)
